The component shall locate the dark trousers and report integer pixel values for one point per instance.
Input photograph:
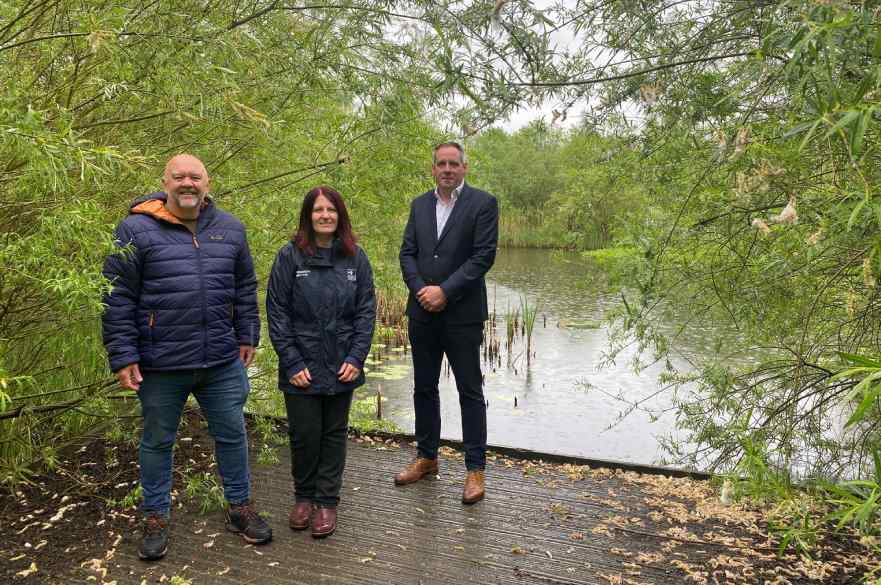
(461, 344)
(318, 426)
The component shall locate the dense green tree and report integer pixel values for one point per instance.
(734, 143)
(754, 154)
(570, 189)
(757, 129)
(97, 95)
(523, 168)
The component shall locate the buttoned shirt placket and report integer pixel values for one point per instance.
(443, 210)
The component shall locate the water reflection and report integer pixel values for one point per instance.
(563, 402)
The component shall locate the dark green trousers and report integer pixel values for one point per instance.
(318, 427)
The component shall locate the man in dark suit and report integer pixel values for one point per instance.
(449, 245)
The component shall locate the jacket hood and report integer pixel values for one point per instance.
(157, 196)
(154, 206)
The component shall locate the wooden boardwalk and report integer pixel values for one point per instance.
(539, 524)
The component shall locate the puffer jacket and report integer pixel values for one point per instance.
(179, 300)
(321, 312)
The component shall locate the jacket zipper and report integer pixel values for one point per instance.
(150, 322)
(204, 308)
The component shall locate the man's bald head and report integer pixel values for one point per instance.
(186, 182)
(184, 159)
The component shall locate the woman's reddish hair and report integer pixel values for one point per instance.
(304, 238)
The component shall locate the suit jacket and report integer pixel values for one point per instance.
(457, 261)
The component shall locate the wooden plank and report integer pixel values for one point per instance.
(536, 526)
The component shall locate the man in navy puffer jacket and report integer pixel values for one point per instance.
(182, 317)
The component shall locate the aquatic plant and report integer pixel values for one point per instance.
(512, 320)
(362, 417)
(529, 314)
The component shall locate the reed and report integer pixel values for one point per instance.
(391, 307)
(391, 312)
(512, 324)
(492, 316)
(529, 313)
(491, 343)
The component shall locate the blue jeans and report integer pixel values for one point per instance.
(221, 391)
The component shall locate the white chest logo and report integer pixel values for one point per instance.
(350, 275)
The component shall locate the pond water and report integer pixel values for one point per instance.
(563, 401)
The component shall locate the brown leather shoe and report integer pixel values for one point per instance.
(300, 513)
(474, 487)
(416, 471)
(323, 522)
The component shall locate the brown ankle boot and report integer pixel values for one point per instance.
(416, 471)
(323, 522)
(474, 487)
(300, 514)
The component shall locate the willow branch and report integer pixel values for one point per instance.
(274, 6)
(630, 74)
(126, 121)
(247, 186)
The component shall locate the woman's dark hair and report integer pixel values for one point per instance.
(304, 238)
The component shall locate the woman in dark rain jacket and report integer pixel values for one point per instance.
(321, 309)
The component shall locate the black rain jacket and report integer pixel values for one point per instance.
(321, 312)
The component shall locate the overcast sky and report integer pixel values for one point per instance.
(563, 38)
(526, 115)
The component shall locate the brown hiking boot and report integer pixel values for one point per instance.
(416, 471)
(474, 487)
(244, 520)
(154, 543)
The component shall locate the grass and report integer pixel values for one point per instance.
(512, 322)
(204, 489)
(521, 230)
(529, 314)
(542, 229)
